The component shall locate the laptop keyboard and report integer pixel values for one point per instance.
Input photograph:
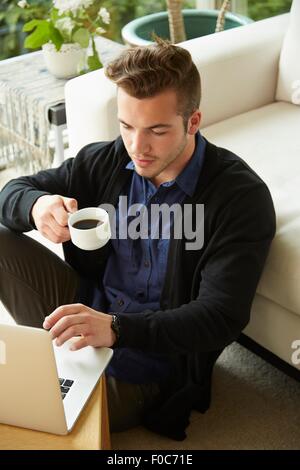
(65, 385)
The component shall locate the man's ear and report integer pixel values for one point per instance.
(194, 122)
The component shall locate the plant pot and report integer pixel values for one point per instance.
(197, 23)
(65, 63)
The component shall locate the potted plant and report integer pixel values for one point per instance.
(179, 25)
(66, 33)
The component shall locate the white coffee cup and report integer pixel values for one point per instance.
(89, 238)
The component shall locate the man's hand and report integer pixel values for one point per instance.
(50, 215)
(72, 320)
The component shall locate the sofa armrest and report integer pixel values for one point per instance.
(91, 109)
(238, 67)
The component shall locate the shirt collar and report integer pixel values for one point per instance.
(130, 165)
(188, 178)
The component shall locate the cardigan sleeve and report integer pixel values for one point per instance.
(19, 195)
(238, 250)
(75, 177)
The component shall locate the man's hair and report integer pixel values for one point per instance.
(144, 72)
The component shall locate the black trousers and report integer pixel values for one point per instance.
(34, 281)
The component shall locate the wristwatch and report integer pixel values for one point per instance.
(115, 326)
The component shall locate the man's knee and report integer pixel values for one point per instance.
(5, 238)
(4, 231)
(9, 240)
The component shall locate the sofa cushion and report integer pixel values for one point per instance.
(268, 139)
(288, 88)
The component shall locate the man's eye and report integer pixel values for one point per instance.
(159, 133)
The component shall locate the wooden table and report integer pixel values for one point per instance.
(91, 432)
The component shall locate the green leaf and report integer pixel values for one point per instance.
(82, 37)
(55, 37)
(30, 25)
(40, 36)
(93, 60)
(54, 14)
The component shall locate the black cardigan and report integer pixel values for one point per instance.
(207, 294)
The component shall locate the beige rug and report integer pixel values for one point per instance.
(254, 406)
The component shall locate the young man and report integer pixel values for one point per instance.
(168, 308)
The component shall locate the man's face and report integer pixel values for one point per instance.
(154, 135)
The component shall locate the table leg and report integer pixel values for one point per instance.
(105, 433)
(59, 144)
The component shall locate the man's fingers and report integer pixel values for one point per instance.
(53, 206)
(50, 235)
(79, 344)
(62, 232)
(60, 312)
(50, 229)
(74, 330)
(70, 204)
(60, 215)
(70, 322)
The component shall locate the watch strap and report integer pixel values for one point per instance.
(116, 327)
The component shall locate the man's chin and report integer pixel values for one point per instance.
(145, 174)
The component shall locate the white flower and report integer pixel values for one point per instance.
(104, 15)
(23, 4)
(100, 30)
(66, 6)
(65, 25)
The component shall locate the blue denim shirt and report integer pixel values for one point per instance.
(135, 270)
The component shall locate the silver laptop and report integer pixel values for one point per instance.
(42, 386)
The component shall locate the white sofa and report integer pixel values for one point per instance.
(248, 107)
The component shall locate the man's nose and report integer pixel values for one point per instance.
(139, 144)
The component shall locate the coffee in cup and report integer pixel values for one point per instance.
(89, 228)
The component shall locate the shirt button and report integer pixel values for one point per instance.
(146, 264)
(120, 302)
